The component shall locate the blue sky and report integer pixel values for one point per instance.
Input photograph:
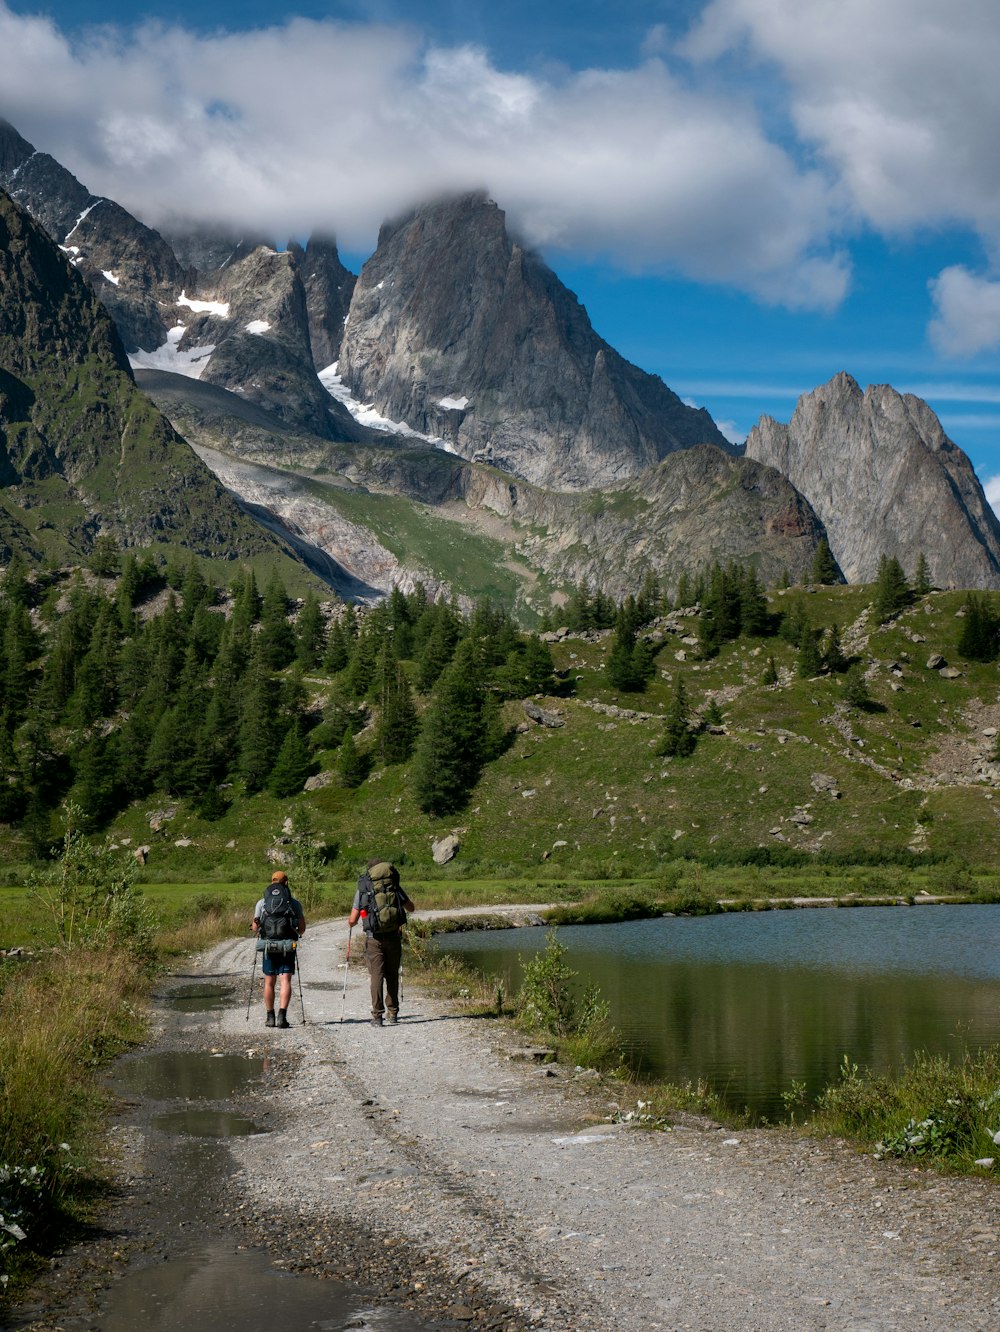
(748, 195)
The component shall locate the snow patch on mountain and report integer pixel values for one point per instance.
(453, 404)
(115, 281)
(257, 326)
(366, 415)
(191, 361)
(220, 308)
(84, 214)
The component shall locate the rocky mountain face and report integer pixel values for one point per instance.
(82, 451)
(464, 334)
(696, 506)
(884, 479)
(231, 309)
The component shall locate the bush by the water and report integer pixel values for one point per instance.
(942, 1110)
(549, 1001)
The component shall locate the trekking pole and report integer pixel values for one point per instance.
(298, 972)
(399, 983)
(253, 973)
(347, 967)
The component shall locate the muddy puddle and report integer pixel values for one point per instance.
(195, 1123)
(199, 998)
(187, 1075)
(229, 1291)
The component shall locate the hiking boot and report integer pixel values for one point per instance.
(269, 1020)
(392, 1019)
(376, 1022)
(282, 1020)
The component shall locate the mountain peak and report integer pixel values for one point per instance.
(464, 334)
(885, 480)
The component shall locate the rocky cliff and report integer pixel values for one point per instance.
(696, 506)
(82, 451)
(233, 309)
(884, 479)
(464, 334)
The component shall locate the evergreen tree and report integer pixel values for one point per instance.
(351, 766)
(855, 687)
(619, 670)
(808, 662)
(105, 558)
(292, 766)
(309, 634)
(793, 622)
(892, 592)
(980, 636)
(824, 566)
(276, 638)
(450, 750)
(834, 658)
(439, 648)
(258, 731)
(338, 648)
(770, 676)
(397, 725)
(678, 739)
(922, 577)
(755, 616)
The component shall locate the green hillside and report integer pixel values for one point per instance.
(785, 775)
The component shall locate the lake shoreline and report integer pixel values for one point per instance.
(465, 1186)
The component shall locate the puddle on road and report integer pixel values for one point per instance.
(199, 998)
(238, 1292)
(178, 1074)
(207, 1124)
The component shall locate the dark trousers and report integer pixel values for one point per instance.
(383, 953)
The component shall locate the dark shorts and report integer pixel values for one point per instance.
(281, 964)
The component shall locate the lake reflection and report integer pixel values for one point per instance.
(750, 1002)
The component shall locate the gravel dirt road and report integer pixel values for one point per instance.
(468, 1188)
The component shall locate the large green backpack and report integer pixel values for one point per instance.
(384, 904)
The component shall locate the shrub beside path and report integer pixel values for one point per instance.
(493, 1192)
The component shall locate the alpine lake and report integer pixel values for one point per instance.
(751, 1003)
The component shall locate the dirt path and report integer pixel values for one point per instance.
(463, 1188)
(501, 1174)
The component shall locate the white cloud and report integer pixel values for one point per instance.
(991, 488)
(968, 312)
(327, 124)
(901, 98)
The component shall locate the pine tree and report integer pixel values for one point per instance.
(855, 688)
(678, 739)
(292, 766)
(397, 725)
(922, 577)
(309, 634)
(808, 662)
(892, 592)
(979, 639)
(338, 648)
(276, 638)
(755, 615)
(824, 566)
(439, 648)
(351, 766)
(770, 676)
(450, 750)
(258, 729)
(619, 669)
(834, 658)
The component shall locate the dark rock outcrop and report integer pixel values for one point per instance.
(464, 334)
(82, 451)
(885, 480)
(329, 287)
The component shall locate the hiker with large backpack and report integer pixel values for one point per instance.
(381, 906)
(278, 922)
